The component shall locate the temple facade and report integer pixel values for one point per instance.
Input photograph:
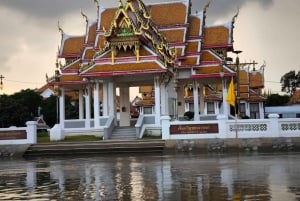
(179, 64)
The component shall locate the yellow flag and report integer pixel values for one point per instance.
(231, 94)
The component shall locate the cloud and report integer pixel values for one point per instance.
(225, 9)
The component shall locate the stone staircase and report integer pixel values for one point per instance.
(123, 133)
(95, 147)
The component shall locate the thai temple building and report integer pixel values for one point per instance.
(178, 63)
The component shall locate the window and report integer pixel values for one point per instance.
(242, 110)
(210, 108)
(254, 110)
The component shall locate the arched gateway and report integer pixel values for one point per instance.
(160, 47)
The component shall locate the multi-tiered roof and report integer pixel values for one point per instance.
(141, 40)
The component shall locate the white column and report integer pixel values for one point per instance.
(111, 99)
(217, 109)
(201, 99)
(105, 99)
(124, 106)
(224, 95)
(88, 107)
(157, 100)
(196, 101)
(164, 100)
(180, 100)
(80, 103)
(247, 109)
(96, 105)
(62, 107)
(261, 111)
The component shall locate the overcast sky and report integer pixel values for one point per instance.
(266, 30)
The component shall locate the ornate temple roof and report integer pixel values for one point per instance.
(136, 39)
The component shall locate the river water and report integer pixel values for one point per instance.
(188, 177)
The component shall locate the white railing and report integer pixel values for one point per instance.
(19, 135)
(142, 123)
(273, 127)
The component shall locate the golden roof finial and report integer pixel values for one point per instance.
(83, 15)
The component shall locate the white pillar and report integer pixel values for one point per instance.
(124, 106)
(196, 101)
(247, 109)
(157, 100)
(88, 107)
(105, 99)
(80, 103)
(31, 130)
(201, 99)
(261, 111)
(96, 105)
(164, 100)
(62, 108)
(180, 100)
(224, 95)
(111, 100)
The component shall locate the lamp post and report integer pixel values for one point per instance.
(1, 81)
(237, 63)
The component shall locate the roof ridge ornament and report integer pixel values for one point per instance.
(84, 15)
(206, 6)
(235, 16)
(59, 28)
(96, 3)
(121, 4)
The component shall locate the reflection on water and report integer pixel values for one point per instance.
(153, 177)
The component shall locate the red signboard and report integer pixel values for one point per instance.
(13, 135)
(194, 129)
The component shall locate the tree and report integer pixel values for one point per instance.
(277, 100)
(290, 81)
(19, 108)
(50, 110)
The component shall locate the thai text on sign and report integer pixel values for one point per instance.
(194, 129)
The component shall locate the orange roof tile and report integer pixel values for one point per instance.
(256, 80)
(168, 14)
(207, 56)
(189, 61)
(194, 26)
(173, 36)
(89, 54)
(126, 67)
(243, 75)
(216, 36)
(107, 17)
(65, 78)
(208, 70)
(192, 47)
(92, 34)
(73, 45)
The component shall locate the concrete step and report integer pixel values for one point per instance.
(100, 147)
(124, 133)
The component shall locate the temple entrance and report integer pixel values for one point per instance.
(127, 114)
(124, 106)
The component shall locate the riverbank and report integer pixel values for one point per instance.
(151, 146)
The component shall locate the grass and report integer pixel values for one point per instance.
(43, 137)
